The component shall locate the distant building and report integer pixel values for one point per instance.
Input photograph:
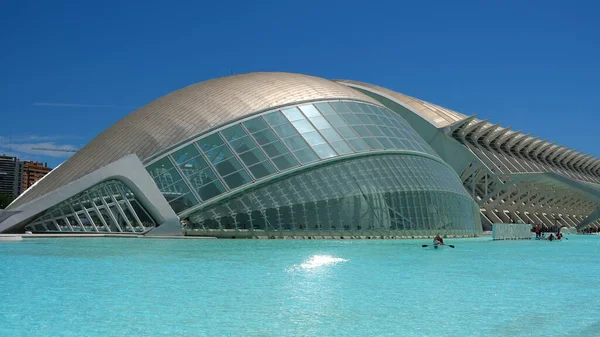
(17, 176)
(33, 171)
(11, 170)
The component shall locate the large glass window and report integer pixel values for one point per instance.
(277, 141)
(253, 157)
(284, 129)
(101, 208)
(352, 197)
(160, 167)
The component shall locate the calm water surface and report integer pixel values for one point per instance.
(153, 287)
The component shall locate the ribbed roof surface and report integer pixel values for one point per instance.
(185, 113)
(435, 114)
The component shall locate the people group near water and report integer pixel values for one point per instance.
(540, 235)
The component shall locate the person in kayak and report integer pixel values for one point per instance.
(438, 240)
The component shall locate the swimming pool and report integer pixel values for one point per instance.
(158, 287)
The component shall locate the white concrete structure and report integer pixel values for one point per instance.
(511, 231)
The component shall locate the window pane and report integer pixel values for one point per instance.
(380, 110)
(183, 203)
(255, 125)
(353, 106)
(178, 188)
(292, 114)
(265, 137)
(313, 138)
(51, 226)
(366, 109)
(262, 169)
(361, 131)
(285, 130)
(275, 118)
(330, 135)
(309, 110)
(233, 133)
(358, 145)
(374, 130)
(303, 126)
(320, 122)
(159, 167)
(228, 166)
(324, 151)
(237, 179)
(347, 132)
(377, 121)
(285, 162)
(210, 142)
(352, 120)
(242, 144)
(295, 143)
(193, 166)
(275, 149)
(252, 157)
(162, 181)
(340, 107)
(385, 142)
(306, 155)
(373, 143)
(364, 119)
(341, 147)
(219, 154)
(202, 178)
(336, 120)
(397, 143)
(211, 190)
(184, 154)
(387, 131)
(325, 108)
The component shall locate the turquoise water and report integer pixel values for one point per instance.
(153, 287)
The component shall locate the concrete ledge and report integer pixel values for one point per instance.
(10, 238)
(311, 235)
(19, 237)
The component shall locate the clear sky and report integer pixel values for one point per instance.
(70, 69)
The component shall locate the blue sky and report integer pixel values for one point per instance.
(70, 69)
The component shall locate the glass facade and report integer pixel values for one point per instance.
(374, 195)
(106, 207)
(276, 141)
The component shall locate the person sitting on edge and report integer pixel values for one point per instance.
(438, 240)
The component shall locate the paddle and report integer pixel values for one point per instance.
(451, 246)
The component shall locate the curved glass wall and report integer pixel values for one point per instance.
(106, 207)
(377, 195)
(274, 142)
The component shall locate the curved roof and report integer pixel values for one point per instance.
(188, 112)
(436, 115)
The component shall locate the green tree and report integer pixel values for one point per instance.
(5, 200)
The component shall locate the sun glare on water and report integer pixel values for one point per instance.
(316, 261)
